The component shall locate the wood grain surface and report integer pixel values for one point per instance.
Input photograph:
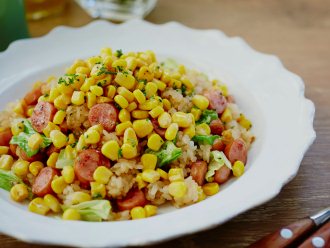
(297, 31)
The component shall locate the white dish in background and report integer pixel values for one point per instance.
(272, 97)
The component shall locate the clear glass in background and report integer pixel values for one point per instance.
(117, 10)
(38, 9)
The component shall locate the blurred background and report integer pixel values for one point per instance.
(297, 31)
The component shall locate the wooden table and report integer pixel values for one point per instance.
(299, 33)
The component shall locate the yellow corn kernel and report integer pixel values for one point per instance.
(51, 161)
(163, 174)
(68, 174)
(210, 188)
(167, 104)
(98, 128)
(52, 202)
(129, 96)
(120, 128)
(131, 106)
(29, 112)
(238, 168)
(140, 85)
(71, 214)
(145, 74)
(83, 70)
(182, 119)
(79, 197)
(128, 151)
(87, 84)
(200, 101)
(196, 113)
(201, 194)
(139, 96)
(91, 99)
(50, 127)
(149, 161)
(177, 189)
(21, 168)
(131, 63)
(154, 113)
(130, 137)
(60, 102)
(175, 174)
(140, 182)
(171, 131)
(124, 115)
(175, 84)
(155, 142)
(111, 91)
(119, 63)
(58, 138)
(121, 101)
(140, 114)
(6, 161)
(38, 206)
(42, 98)
(125, 80)
(226, 116)
(59, 117)
(102, 174)
(98, 190)
(35, 167)
(53, 93)
(160, 85)
(58, 184)
(203, 129)
(149, 104)
(92, 136)
(110, 149)
(78, 98)
(190, 131)
(18, 109)
(19, 192)
(224, 90)
(96, 90)
(34, 141)
(81, 144)
(151, 89)
(17, 128)
(71, 139)
(246, 123)
(106, 51)
(150, 176)
(103, 99)
(164, 120)
(4, 150)
(138, 213)
(151, 210)
(142, 127)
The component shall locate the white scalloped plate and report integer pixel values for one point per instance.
(269, 94)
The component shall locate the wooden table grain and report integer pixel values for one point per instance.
(298, 31)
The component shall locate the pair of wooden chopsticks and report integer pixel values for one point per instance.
(294, 235)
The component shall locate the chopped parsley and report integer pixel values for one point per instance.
(68, 80)
(119, 53)
(120, 153)
(104, 70)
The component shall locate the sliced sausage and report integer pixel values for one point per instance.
(217, 101)
(12, 149)
(22, 154)
(216, 127)
(86, 163)
(31, 98)
(42, 114)
(134, 198)
(218, 145)
(236, 150)
(5, 137)
(198, 170)
(157, 128)
(42, 184)
(104, 114)
(222, 175)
